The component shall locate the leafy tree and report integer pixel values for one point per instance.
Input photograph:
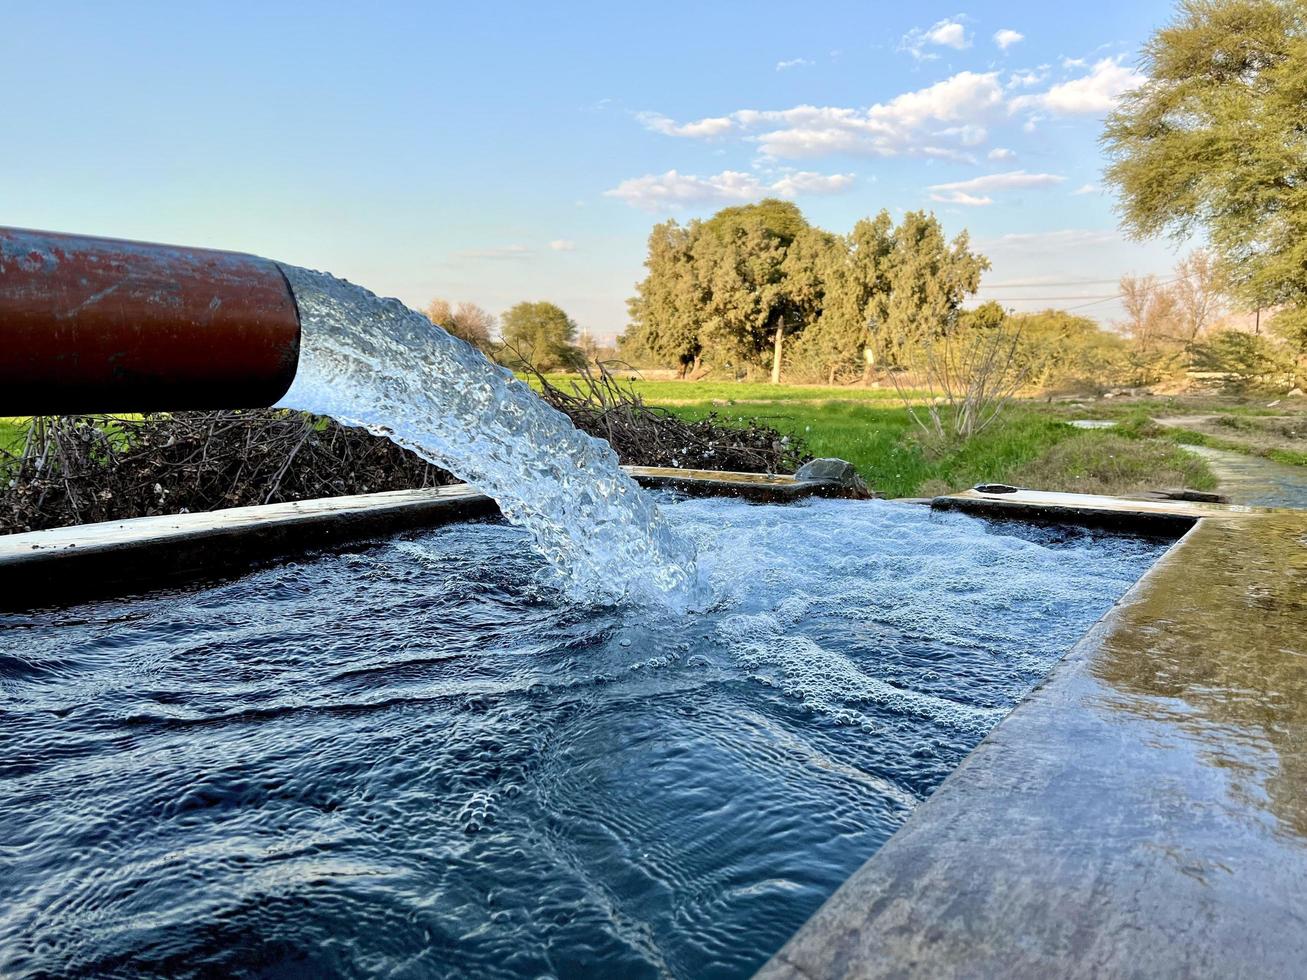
(542, 335)
(1291, 327)
(923, 283)
(1241, 360)
(986, 316)
(1060, 350)
(738, 288)
(804, 286)
(871, 245)
(782, 220)
(467, 322)
(665, 311)
(739, 266)
(1214, 142)
(757, 292)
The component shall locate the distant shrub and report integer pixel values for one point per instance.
(1238, 361)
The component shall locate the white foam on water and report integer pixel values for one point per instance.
(891, 574)
(373, 362)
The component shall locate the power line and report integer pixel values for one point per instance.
(1094, 300)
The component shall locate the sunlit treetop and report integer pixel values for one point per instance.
(1215, 142)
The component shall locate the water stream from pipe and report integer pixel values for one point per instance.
(373, 362)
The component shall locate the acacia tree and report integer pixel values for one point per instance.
(467, 322)
(1213, 141)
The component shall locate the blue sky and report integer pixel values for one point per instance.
(498, 152)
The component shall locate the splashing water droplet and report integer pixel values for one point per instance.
(375, 363)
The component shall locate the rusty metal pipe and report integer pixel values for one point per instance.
(101, 325)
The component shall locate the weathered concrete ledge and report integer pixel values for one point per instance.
(1151, 516)
(71, 564)
(1142, 813)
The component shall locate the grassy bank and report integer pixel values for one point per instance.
(1028, 446)
(882, 441)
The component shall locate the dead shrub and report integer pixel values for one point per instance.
(83, 469)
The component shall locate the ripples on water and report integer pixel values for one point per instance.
(417, 760)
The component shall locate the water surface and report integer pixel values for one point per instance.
(421, 759)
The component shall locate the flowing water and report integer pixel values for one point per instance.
(419, 759)
(375, 363)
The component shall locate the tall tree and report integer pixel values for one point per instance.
(852, 271)
(1214, 141)
(755, 296)
(467, 322)
(541, 334)
(1200, 298)
(665, 310)
(739, 266)
(807, 258)
(924, 280)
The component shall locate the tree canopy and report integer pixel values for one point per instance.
(541, 334)
(735, 289)
(1215, 142)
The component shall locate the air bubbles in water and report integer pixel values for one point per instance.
(375, 363)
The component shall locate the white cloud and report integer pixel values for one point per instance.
(1086, 189)
(1092, 94)
(1046, 241)
(562, 245)
(671, 190)
(948, 33)
(807, 182)
(701, 129)
(792, 63)
(1027, 78)
(502, 252)
(966, 135)
(941, 120)
(961, 197)
(944, 33)
(1001, 153)
(999, 182)
(1007, 37)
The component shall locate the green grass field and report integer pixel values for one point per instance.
(11, 434)
(746, 392)
(882, 441)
